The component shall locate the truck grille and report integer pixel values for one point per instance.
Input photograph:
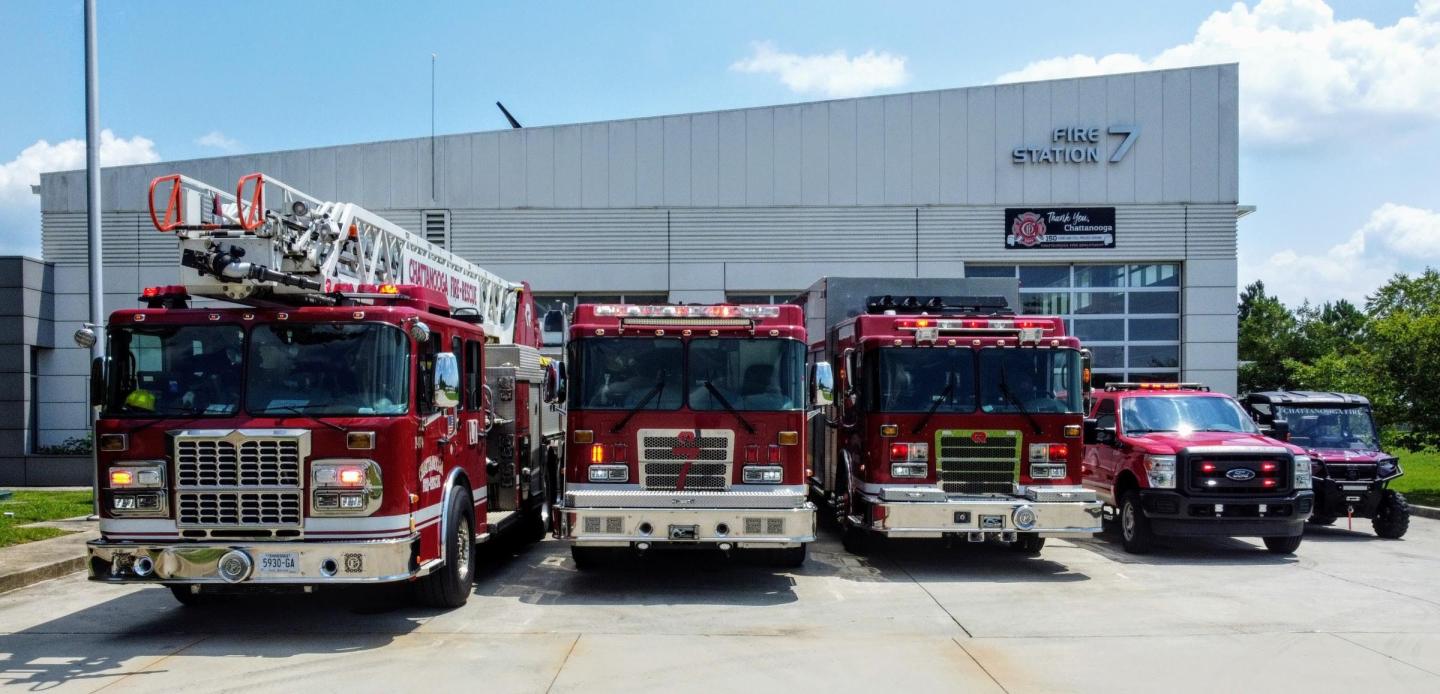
(1350, 472)
(240, 479)
(1217, 481)
(236, 509)
(247, 463)
(664, 453)
(977, 461)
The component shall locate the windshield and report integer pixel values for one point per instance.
(328, 369)
(1330, 427)
(1030, 380)
(914, 380)
(1184, 414)
(619, 373)
(746, 374)
(174, 370)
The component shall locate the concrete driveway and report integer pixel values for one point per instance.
(1349, 613)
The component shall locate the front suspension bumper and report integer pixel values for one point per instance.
(606, 520)
(1172, 513)
(296, 563)
(891, 515)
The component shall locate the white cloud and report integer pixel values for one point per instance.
(20, 208)
(827, 74)
(218, 140)
(1396, 238)
(1301, 70)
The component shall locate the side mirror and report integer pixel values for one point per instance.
(1105, 435)
(554, 390)
(1280, 429)
(447, 380)
(97, 382)
(822, 384)
(1091, 427)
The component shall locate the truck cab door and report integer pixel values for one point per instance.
(1101, 459)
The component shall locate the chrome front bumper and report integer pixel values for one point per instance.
(367, 561)
(1059, 512)
(623, 519)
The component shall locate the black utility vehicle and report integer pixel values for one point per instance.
(1351, 474)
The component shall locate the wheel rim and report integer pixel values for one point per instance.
(462, 549)
(1127, 520)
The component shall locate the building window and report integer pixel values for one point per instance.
(566, 302)
(781, 297)
(1127, 315)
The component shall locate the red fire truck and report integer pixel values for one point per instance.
(332, 422)
(687, 428)
(956, 417)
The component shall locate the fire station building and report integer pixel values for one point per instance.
(1113, 201)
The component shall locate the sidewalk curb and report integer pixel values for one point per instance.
(1425, 511)
(36, 574)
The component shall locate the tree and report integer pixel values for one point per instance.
(1402, 346)
(1268, 338)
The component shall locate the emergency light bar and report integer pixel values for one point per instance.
(719, 311)
(975, 305)
(976, 325)
(1112, 387)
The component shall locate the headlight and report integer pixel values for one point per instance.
(909, 469)
(137, 488)
(1160, 469)
(609, 473)
(138, 474)
(1388, 468)
(345, 487)
(1302, 472)
(763, 474)
(1047, 471)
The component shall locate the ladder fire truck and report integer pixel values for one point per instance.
(326, 398)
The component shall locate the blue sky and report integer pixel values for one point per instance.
(1340, 141)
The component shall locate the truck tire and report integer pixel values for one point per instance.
(1392, 518)
(1029, 544)
(449, 586)
(1319, 519)
(783, 557)
(1283, 545)
(188, 599)
(1135, 534)
(590, 558)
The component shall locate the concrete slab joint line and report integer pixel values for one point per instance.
(564, 660)
(981, 666)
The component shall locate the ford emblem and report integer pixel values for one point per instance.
(1241, 474)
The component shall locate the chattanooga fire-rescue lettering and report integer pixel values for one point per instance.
(434, 278)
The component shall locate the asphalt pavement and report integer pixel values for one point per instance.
(1349, 613)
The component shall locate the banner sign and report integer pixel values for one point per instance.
(1059, 227)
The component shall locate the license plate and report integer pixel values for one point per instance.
(1351, 488)
(992, 522)
(279, 563)
(962, 517)
(1352, 498)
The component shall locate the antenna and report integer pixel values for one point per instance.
(513, 123)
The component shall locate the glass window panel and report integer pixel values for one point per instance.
(1047, 303)
(1099, 275)
(1106, 330)
(1044, 276)
(1154, 377)
(1155, 302)
(553, 302)
(989, 270)
(1161, 275)
(647, 299)
(1107, 357)
(748, 298)
(1142, 329)
(599, 299)
(1100, 302)
(1161, 357)
(1100, 380)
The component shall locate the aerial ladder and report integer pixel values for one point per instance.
(271, 244)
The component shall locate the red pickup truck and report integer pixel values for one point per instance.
(1171, 459)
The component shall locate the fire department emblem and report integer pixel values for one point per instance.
(687, 447)
(1028, 229)
(354, 563)
(980, 437)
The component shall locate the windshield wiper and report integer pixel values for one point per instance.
(1015, 400)
(659, 386)
(728, 408)
(945, 394)
(300, 410)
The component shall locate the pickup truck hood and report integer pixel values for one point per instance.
(1346, 455)
(1171, 442)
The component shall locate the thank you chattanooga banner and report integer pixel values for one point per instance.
(1059, 227)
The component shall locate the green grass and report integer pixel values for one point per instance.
(1421, 482)
(33, 506)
